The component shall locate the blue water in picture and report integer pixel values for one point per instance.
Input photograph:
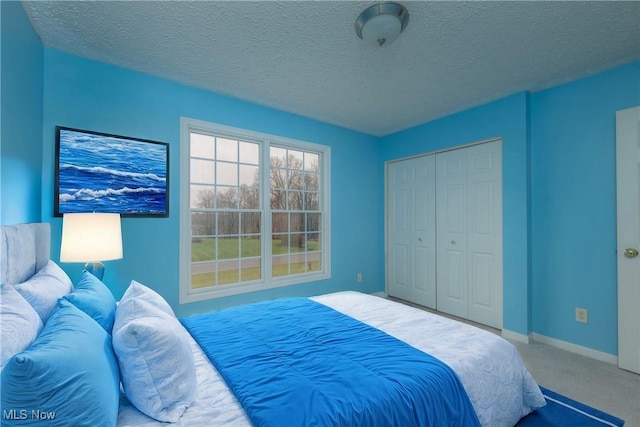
(100, 173)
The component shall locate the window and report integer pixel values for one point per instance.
(254, 211)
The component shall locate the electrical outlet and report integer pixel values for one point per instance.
(582, 315)
(359, 277)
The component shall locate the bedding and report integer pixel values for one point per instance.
(500, 388)
(138, 291)
(94, 298)
(156, 363)
(19, 323)
(43, 289)
(296, 362)
(489, 368)
(68, 375)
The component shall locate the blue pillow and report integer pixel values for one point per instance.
(69, 373)
(94, 298)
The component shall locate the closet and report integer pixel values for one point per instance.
(444, 231)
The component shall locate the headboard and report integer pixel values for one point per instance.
(24, 249)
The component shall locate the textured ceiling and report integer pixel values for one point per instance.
(304, 57)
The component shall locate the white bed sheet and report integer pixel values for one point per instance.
(489, 367)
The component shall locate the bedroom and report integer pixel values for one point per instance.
(540, 129)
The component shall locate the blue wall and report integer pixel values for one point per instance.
(21, 117)
(558, 195)
(90, 95)
(558, 173)
(506, 118)
(574, 205)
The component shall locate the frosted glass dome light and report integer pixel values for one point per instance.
(382, 23)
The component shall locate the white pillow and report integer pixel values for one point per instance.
(19, 323)
(142, 292)
(156, 364)
(44, 288)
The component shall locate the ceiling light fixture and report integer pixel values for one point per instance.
(382, 22)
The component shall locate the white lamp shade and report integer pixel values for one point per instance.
(88, 237)
(381, 29)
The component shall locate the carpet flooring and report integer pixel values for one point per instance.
(598, 384)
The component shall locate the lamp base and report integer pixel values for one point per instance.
(95, 268)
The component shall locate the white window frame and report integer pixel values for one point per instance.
(187, 294)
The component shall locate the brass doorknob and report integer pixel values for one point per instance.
(630, 253)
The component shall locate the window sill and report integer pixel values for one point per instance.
(195, 295)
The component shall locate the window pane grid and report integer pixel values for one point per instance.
(227, 191)
(296, 245)
(225, 210)
(304, 201)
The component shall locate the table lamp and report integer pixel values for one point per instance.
(91, 238)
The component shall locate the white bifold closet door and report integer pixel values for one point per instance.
(412, 230)
(445, 231)
(469, 233)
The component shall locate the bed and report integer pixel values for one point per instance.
(494, 380)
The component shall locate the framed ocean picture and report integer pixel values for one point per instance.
(99, 172)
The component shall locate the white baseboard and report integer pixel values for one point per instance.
(575, 348)
(515, 336)
(380, 294)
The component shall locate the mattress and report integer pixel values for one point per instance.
(490, 369)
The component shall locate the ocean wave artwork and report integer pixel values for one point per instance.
(106, 173)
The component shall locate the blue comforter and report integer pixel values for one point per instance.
(296, 362)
